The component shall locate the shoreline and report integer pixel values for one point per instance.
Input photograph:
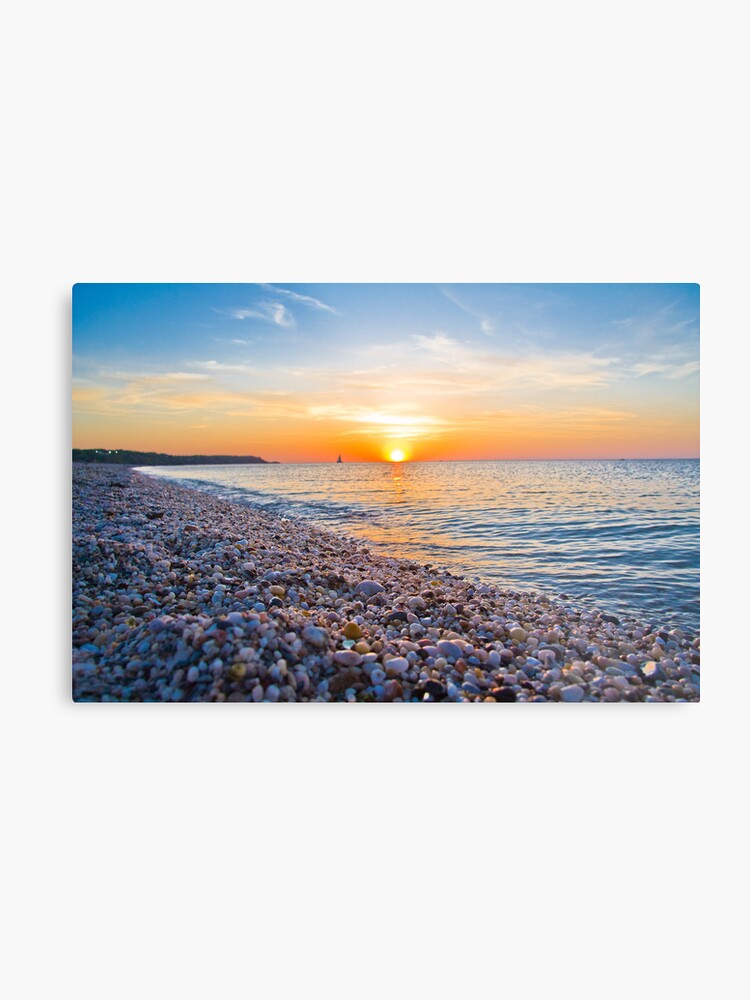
(182, 596)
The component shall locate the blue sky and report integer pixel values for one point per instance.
(472, 370)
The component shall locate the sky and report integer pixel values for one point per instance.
(303, 373)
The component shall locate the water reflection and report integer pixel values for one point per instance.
(399, 488)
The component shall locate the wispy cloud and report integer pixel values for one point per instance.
(486, 325)
(439, 345)
(675, 362)
(155, 378)
(218, 366)
(275, 312)
(494, 370)
(402, 421)
(306, 300)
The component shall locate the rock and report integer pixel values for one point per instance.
(277, 590)
(352, 631)
(518, 634)
(347, 658)
(395, 616)
(573, 692)
(315, 636)
(392, 689)
(368, 588)
(193, 675)
(503, 694)
(449, 649)
(435, 689)
(343, 681)
(377, 676)
(651, 672)
(398, 664)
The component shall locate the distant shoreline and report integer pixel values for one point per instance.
(120, 456)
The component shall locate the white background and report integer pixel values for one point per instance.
(199, 851)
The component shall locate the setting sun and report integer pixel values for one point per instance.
(397, 455)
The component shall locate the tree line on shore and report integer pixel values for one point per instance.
(122, 456)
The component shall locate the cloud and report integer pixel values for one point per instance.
(247, 314)
(155, 378)
(479, 368)
(667, 367)
(406, 424)
(439, 345)
(275, 312)
(306, 300)
(363, 414)
(485, 323)
(179, 377)
(217, 366)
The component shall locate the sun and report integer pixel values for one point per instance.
(397, 455)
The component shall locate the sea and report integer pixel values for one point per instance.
(621, 536)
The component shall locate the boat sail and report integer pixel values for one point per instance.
(338, 460)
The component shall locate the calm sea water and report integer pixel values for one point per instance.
(622, 536)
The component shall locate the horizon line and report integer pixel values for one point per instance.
(408, 461)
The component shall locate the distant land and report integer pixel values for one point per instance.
(122, 457)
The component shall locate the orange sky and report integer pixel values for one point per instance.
(438, 372)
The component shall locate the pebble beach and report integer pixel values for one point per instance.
(181, 596)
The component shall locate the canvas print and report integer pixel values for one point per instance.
(368, 493)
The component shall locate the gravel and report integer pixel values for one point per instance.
(179, 595)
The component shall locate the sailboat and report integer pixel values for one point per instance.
(338, 459)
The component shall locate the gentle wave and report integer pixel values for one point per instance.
(621, 536)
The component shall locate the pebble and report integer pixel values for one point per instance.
(572, 692)
(315, 636)
(343, 681)
(392, 689)
(449, 649)
(398, 664)
(652, 671)
(347, 657)
(172, 608)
